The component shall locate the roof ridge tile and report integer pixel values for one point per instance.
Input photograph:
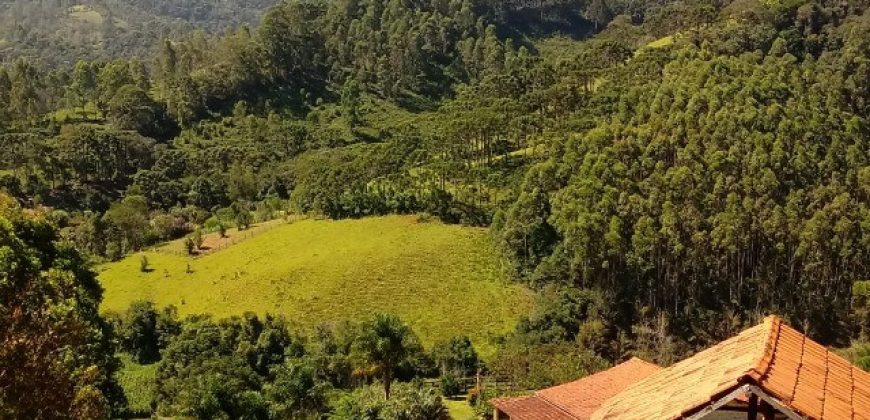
(762, 366)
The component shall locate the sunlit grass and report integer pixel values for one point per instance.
(662, 42)
(443, 280)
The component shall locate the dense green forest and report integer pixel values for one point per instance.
(663, 173)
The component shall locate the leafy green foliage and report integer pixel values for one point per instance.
(143, 331)
(138, 384)
(663, 183)
(409, 402)
(296, 391)
(723, 183)
(217, 368)
(539, 366)
(456, 357)
(51, 335)
(384, 343)
(60, 32)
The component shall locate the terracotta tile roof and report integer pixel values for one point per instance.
(582, 397)
(803, 375)
(578, 399)
(530, 408)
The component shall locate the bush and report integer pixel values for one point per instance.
(243, 220)
(450, 386)
(296, 392)
(859, 354)
(167, 226)
(190, 246)
(218, 369)
(212, 223)
(536, 366)
(197, 239)
(473, 396)
(114, 251)
(59, 218)
(479, 400)
(409, 401)
(456, 356)
(143, 331)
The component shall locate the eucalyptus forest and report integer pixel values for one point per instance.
(660, 174)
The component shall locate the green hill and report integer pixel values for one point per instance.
(443, 280)
(62, 33)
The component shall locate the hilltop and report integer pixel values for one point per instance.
(63, 33)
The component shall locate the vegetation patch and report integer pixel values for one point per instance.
(459, 409)
(86, 14)
(662, 42)
(138, 383)
(443, 280)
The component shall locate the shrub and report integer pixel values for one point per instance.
(410, 401)
(114, 251)
(167, 226)
(296, 391)
(456, 356)
(190, 246)
(197, 238)
(450, 386)
(479, 400)
(143, 331)
(59, 218)
(535, 366)
(859, 354)
(243, 220)
(473, 395)
(218, 369)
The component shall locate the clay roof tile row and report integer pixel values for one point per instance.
(578, 399)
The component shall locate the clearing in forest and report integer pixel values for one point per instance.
(443, 280)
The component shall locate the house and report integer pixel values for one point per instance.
(769, 371)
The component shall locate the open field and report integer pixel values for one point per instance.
(443, 280)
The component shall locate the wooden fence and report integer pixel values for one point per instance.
(233, 238)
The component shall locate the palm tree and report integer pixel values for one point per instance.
(383, 344)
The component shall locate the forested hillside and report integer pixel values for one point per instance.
(662, 173)
(61, 32)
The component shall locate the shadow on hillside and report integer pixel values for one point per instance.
(555, 20)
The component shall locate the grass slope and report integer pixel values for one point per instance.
(443, 280)
(662, 42)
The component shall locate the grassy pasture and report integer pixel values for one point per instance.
(443, 280)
